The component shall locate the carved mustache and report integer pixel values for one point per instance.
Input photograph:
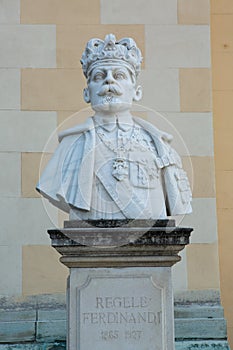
(110, 88)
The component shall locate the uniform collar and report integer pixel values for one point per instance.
(109, 124)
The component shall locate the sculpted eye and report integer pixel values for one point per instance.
(98, 76)
(120, 75)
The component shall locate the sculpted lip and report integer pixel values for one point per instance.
(109, 89)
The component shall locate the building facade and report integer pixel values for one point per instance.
(188, 91)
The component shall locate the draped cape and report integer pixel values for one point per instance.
(68, 177)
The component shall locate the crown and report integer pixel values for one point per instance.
(99, 51)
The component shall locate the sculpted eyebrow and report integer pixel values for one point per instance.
(120, 70)
(99, 71)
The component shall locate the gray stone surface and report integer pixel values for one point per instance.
(44, 315)
(120, 309)
(199, 311)
(200, 321)
(17, 331)
(51, 330)
(130, 308)
(44, 346)
(51, 325)
(20, 315)
(120, 246)
(207, 296)
(202, 345)
(184, 345)
(191, 298)
(200, 328)
(191, 345)
(33, 302)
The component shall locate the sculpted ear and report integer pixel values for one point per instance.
(138, 93)
(86, 95)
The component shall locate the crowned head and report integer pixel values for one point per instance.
(111, 68)
(110, 51)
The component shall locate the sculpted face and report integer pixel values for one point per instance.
(111, 88)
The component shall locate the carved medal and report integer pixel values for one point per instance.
(120, 169)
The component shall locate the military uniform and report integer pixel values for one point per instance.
(125, 168)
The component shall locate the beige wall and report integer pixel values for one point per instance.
(222, 71)
(42, 86)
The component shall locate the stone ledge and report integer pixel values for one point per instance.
(202, 345)
(180, 345)
(20, 331)
(51, 330)
(191, 322)
(120, 233)
(125, 223)
(206, 297)
(198, 311)
(34, 346)
(183, 299)
(200, 328)
(14, 316)
(131, 246)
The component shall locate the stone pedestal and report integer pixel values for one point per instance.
(120, 288)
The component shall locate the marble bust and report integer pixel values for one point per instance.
(115, 166)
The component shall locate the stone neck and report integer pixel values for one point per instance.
(108, 118)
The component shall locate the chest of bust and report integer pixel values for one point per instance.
(128, 155)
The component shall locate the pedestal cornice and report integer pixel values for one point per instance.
(120, 246)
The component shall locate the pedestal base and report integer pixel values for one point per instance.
(130, 308)
(120, 288)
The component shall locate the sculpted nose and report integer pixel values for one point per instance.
(109, 78)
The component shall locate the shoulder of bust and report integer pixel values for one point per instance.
(166, 154)
(151, 129)
(77, 129)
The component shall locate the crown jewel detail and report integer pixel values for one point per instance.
(98, 50)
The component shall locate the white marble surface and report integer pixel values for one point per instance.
(32, 46)
(11, 270)
(130, 308)
(184, 46)
(26, 131)
(9, 11)
(139, 11)
(9, 89)
(10, 177)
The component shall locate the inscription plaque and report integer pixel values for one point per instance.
(123, 313)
